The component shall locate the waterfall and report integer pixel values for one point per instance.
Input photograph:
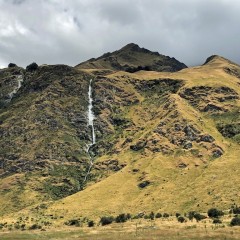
(19, 84)
(91, 114)
(91, 125)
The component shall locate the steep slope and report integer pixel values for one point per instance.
(168, 153)
(132, 58)
(165, 141)
(44, 136)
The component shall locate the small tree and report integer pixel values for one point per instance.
(152, 215)
(10, 65)
(235, 221)
(178, 215)
(181, 219)
(191, 215)
(217, 221)
(91, 223)
(121, 218)
(106, 220)
(236, 210)
(32, 67)
(215, 213)
(165, 215)
(199, 217)
(158, 215)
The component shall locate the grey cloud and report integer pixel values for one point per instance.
(71, 31)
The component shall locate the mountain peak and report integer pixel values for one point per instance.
(132, 58)
(130, 46)
(216, 59)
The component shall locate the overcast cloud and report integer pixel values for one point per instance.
(72, 31)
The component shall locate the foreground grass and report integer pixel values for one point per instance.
(146, 230)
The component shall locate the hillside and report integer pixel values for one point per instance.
(165, 141)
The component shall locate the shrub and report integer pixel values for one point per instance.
(10, 65)
(196, 215)
(235, 221)
(217, 221)
(32, 67)
(181, 219)
(122, 217)
(35, 226)
(191, 215)
(165, 215)
(215, 213)
(178, 215)
(91, 223)
(158, 215)
(151, 215)
(235, 210)
(106, 220)
(73, 222)
(199, 217)
(144, 184)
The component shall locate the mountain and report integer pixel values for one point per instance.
(132, 58)
(165, 141)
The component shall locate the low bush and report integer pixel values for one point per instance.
(91, 223)
(10, 65)
(199, 217)
(178, 215)
(32, 67)
(122, 217)
(181, 219)
(150, 216)
(166, 215)
(235, 221)
(158, 215)
(73, 222)
(106, 220)
(217, 221)
(235, 210)
(196, 215)
(35, 226)
(215, 213)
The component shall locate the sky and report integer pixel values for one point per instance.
(72, 31)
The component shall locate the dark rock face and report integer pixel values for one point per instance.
(233, 71)
(158, 86)
(112, 165)
(132, 58)
(216, 153)
(209, 99)
(229, 130)
(138, 146)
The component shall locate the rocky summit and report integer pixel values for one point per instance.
(132, 58)
(166, 137)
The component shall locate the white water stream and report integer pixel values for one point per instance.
(91, 114)
(19, 82)
(91, 125)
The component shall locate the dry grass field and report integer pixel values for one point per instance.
(136, 229)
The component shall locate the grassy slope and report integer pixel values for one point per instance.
(204, 183)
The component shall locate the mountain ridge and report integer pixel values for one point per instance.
(127, 59)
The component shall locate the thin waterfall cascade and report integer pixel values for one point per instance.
(91, 114)
(91, 125)
(15, 90)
